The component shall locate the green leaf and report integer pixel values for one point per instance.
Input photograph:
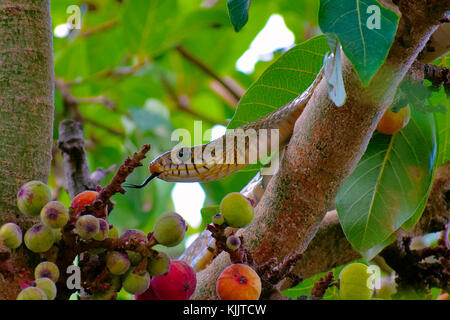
(238, 10)
(153, 115)
(390, 185)
(208, 213)
(443, 125)
(374, 251)
(365, 43)
(148, 26)
(283, 81)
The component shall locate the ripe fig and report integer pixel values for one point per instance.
(178, 284)
(238, 282)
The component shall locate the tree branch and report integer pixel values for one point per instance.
(71, 144)
(207, 70)
(182, 103)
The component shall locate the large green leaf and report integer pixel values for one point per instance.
(351, 21)
(283, 81)
(390, 184)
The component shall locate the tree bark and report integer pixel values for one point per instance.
(26, 112)
(326, 145)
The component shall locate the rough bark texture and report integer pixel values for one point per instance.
(326, 145)
(76, 170)
(26, 109)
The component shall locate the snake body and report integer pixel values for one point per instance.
(189, 164)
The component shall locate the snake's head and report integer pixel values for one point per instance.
(168, 161)
(156, 167)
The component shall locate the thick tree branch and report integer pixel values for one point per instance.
(26, 113)
(326, 145)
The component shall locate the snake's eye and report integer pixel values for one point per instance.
(181, 156)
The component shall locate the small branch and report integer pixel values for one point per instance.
(100, 28)
(321, 286)
(414, 268)
(182, 103)
(220, 234)
(224, 94)
(97, 208)
(207, 70)
(107, 102)
(71, 105)
(437, 75)
(71, 144)
(98, 175)
(119, 73)
(100, 125)
(73, 102)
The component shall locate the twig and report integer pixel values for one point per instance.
(321, 286)
(119, 73)
(71, 104)
(71, 144)
(102, 201)
(272, 274)
(437, 75)
(414, 269)
(100, 125)
(100, 28)
(240, 255)
(107, 102)
(182, 103)
(98, 175)
(207, 70)
(65, 89)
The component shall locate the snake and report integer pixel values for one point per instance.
(211, 161)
